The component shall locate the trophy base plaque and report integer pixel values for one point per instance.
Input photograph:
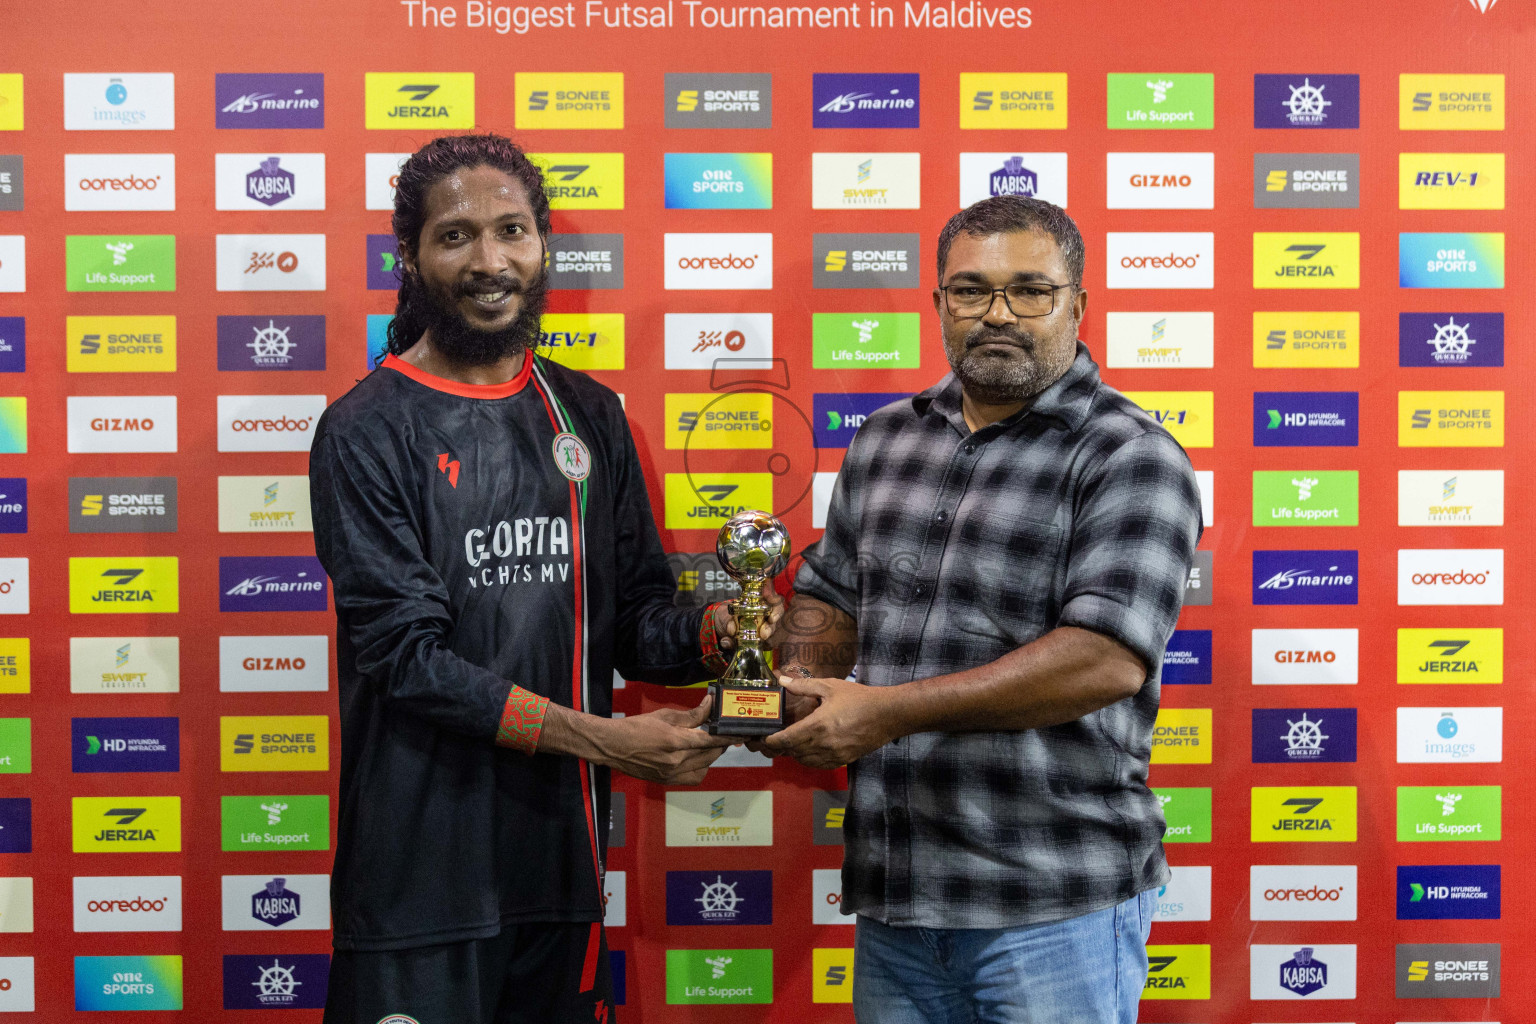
(745, 710)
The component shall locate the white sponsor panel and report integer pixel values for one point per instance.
(1039, 175)
(265, 903)
(269, 181)
(1161, 181)
(1450, 735)
(264, 504)
(695, 341)
(124, 664)
(119, 102)
(1205, 479)
(716, 262)
(13, 263)
(105, 424)
(268, 423)
(1186, 897)
(274, 664)
(720, 818)
(15, 586)
(1283, 971)
(379, 172)
(1160, 340)
(1303, 892)
(128, 903)
(1450, 576)
(119, 181)
(615, 900)
(1160, 259)
(822, 485)
(827, 897)
(866, 181)
(270, 263)
(1450, 497)
(1306, 657)
(15, 904)
(17, 994)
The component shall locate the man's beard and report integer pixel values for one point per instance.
(999, 381)
(466, 344)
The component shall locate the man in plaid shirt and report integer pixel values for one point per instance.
(1004, 561)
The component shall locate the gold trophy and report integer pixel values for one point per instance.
(748, 701)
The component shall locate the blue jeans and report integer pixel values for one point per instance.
(1085, 970)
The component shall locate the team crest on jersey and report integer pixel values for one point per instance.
(398, 1018)
(572, 458)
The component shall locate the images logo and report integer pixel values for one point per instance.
(1177, 101)
(1306, 340)
(585, 262)
(1465, 655)
(137, 664)
(126, 824)
(1314, 814)
(1303, 892)
(696, 341)
(837, 417)
(1306, 419)
(1450, 260)
(714, 262)
(709, 897)
(289, 982)
(1450, 419)
(1448, 970)
(1038, 175)
(273, 583)
(719, 975)
(1187, 658)
(123, 585)
(1190, 416)
(1160, 259)
(1440, 339)
(269, 101)
(120, 344)
(1306, 101)
(419, 99)
(128, 982)
(125, 744)
(715, 818)
(864, 101)
(1303, 735)
(1469, 892)
(119, 263)
(1161, 181)
(119, 181)
(1440, 735)
(1186, 897)
(271, 342)
(1010, 100)
(864, 340)
(1178, 972)
(1182, 736)
(719, 181)
(1323, 259)
(1306, 181)
(719, 100)
(584, 341)
(119, 102)
(275, 822)
(1306, 498)
(1451, 102)
(704, 501)
(1449, 814)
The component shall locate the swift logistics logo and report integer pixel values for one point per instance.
(864, 261)
(120, 344)
(272, 342)
(1182, 736)
(419, 100)
(864, 181)
(125, 744)
(719, 181)
(835, 418)
(126, 824)
(1303, 892)
(1306, 419)
(1033, 175)
(1160, 181)
(719, 897)
(710, 420)
(1306, 657)
(1310, 340)
(1448, 970)
(704, 501)
(274, 743)
(1306, 101)
(715, 976)
(1450, 576)
(1303, 735)
(1306, 181)
(128, 585)
(1442, 735)
(1187, 658)
(1306, 577)
(585, 262)
(120, 263)
(271, 583)
(1462, 259)
(1013, 100)
(1451, 102)
(269, 101)
(1440, 339)
(1168, 340)
(1308, 814)
(583, 341)
(1450, 419)
(1306, 497)
(290, 981)
(1450, 181)
(128, 983)
(582, 181)
(1190, 416)
(1187, 814)
(719, 100)
(119, 181)
(1449, 814)
(273, 664)
(865, 101)
(1450, 655)
(275, 822)
(269, 181)
(264, 504)
(1161, 100)
(720, 818)
(1299, 259)
(1178, 972)
(568, 100)
(865, 341)
(1449, 892)
(124, 664)
(1308, 972)
(119, 102)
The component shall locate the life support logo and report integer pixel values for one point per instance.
(572, 457)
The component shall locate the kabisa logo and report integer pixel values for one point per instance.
(1467, 655)
(1470, 892)
(1035, 175)
(864, 261)
(1013, 100)
(569, 99)
(275, 905)
(271, 583)
(290, 342)
(1315, 814)
(585, 262)
(864, 101)
(1462, 259)
(1303, 974)
(1303, 735)
(1306, 577)
(582, 181)
(419, 100)
(126, 824)
(1306, 418)
(719, 897)
(1178, 972)
(1306, 101)
(837, 417)
(1441, 339)
(1306, 181)
(125, 744)
(269, 184)
(719, 100)
(119, 181)
(265, 902)
(527, 549)
(269, 100)
(1187, 658)
(1289, 259)
(119, 102)
(1451, 102)
(294, 981)
(123, 585)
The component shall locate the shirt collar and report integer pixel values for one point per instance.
(1068, 400)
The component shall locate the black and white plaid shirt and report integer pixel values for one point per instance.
(951, 549)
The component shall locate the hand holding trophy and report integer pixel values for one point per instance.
(748, 701)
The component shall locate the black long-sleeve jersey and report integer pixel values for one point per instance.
(479, 537)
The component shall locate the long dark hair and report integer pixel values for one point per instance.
(426, 167)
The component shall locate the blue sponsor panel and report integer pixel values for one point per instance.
(378, 338)
(125, 744)
(1306, 101)
(1448, 892)
(282, 583)
(1306, 419)
(269, 101)
(1450, 339)
(280, 981)
(13, 504)
(719, 897)
(1187, 658)
(864, 101)
(1450, 259)
(1306, 577)
(15, 824)
(1303, 735)
(616, 968)
(836, 418)
(13, 344)
(271, 342)
(383, 263)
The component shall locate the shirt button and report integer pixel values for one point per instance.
(920, 590)
(969, 449)
(940, 516)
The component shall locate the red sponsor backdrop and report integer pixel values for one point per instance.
(347, 38)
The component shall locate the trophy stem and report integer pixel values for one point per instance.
(749, 666)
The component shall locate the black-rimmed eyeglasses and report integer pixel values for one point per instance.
(1022, 300)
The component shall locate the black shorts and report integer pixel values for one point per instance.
(529, 974)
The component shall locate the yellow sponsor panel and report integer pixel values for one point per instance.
(274, 743)
(419, 99)
(120, 344)
(583, 341)
(1306, 340)
(126, 824)
(1466, 103)
(264, 504)
(569, 99)
(105, 586)
(11, 106)
(1306, 259)
(1190, 416)
(1450, 419)
(832, 975)
(1304, 814)
(704, 501)
(1013, 100)
(1178, 972)
(1182, 736)
(1450, 655)
(582, 181)
(743, 419)
(15, 665)
(1450, 181)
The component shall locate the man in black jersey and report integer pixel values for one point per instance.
(484, 520)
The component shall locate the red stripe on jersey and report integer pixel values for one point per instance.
(589, 965)
(453, 387)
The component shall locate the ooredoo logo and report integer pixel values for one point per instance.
(148, 903)
(1450, 576)
(119, 181)
(1160, 259)
(718, 261)
(268, 423)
